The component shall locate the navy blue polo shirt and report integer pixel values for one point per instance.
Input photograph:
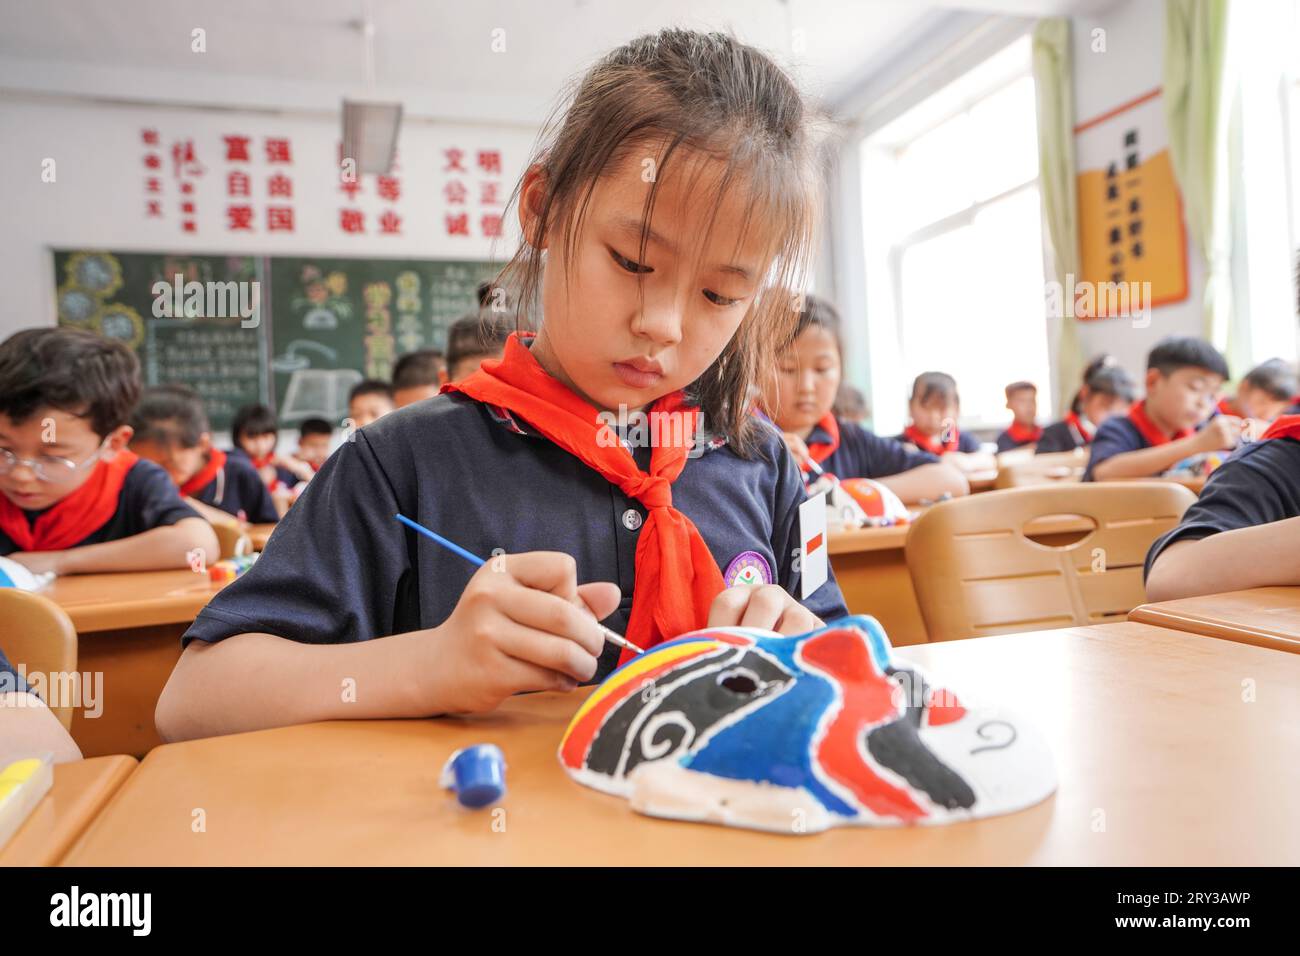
(238, 490)
(148, 500)
(1258, 484)
(1059, 436)
(1006, 441)
(864, 454)
(1115, 436)
(10, 682)
(966, 442)
(284, 475)
(340, 568)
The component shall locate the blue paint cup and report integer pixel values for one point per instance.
(477, 774)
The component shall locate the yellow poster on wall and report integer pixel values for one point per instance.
(1132, 237)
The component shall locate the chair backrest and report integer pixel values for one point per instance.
(1046, 469)
(975, 572)
(39, 634)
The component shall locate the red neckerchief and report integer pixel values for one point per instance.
(676, 575)
(1149, 430)
(1225, 406)
(205, 475)
(1023, 435)
(1285, 426)
(929, 443)
(259, 463)
(74, 518)
(821, 450)
(1082, 430)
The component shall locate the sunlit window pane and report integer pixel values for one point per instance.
(972, 305)
(1008, 140)
(934, 182)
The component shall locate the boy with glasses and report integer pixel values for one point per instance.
(73, 498)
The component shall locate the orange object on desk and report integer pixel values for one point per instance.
(366, 792)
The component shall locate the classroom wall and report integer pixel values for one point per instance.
(1130, 66)
(98, 195)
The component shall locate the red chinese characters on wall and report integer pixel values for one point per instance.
(153, 183)
(386, 190)
(259, 200)
(471, 192)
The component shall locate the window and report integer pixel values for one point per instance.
(954, 243)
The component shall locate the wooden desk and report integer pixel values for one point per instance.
(1159, 759)
(872, 573)
(80, 791)
(128, 628)
(873, 576)
(1265, 617)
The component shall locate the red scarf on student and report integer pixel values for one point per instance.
(1285, 426)
(931, 443)
(821, 450)
(1024, 435)
(1149, 430)
(260, 463)
(72, 519)
(1076, 422)
(205, 475)
(676, 575)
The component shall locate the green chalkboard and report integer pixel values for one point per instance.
(336, 321)
(321, 325)
(195, 335)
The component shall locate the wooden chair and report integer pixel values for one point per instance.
(976, 573)
(1046, 469)
(39, 634)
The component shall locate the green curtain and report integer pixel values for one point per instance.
(1054, 87)
(1196, 110)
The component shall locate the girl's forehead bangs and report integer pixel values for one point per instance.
(776, 196)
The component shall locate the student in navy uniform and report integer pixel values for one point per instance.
(369, 399)
(934, 407)
(73, 498)
(800, 401)
(1107, 390)
(473, 339)
(1022, 400)
(1266, 391)
(417, 376)
(254, 433)
(1183, 378)
(27, 727)
(314, 438)
(171, 429)
(518, 462)
(1244, 529)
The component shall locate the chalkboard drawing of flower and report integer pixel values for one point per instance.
(323, 302)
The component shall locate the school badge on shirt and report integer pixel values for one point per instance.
(748, 567)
